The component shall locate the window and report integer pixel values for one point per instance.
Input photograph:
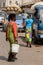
(0, 4)
(3, 4)
(10, 2)
(16, 2)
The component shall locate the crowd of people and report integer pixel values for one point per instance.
(12, 33)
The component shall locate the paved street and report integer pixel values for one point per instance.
(26, 56)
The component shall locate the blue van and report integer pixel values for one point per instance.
(37, 28)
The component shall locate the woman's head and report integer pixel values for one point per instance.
(29, 16)
(12, 17)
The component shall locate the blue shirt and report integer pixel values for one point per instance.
(29, 22)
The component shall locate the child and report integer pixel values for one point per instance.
(12, 36)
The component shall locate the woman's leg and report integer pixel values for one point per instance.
(27, 37)
(10, 53)
(26, 41)
(10, 57)
(14, 56)
(30, 40)
(30, 44)
(27, 44)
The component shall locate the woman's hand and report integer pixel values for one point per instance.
(16, 40)
(6, 39)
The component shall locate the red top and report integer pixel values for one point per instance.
(14, 28)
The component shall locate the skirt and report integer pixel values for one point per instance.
(28, 35)
(11, 44)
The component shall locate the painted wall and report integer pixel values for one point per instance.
(12, 2)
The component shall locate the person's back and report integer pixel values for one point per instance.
(11, 32)
(29, 23)
(28, 35)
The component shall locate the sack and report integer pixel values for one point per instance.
(10, 35)
(15, 48)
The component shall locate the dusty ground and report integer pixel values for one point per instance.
(26, 56)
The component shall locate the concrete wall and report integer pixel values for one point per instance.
(30, 1)
(20, 2)
(9, 2)
(24, 1)
(1, 2)
(12, 2)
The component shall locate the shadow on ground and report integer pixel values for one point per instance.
(38, 44)
(23, 40)
(22, 45)
(3, 58)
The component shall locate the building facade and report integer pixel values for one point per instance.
(5, 3)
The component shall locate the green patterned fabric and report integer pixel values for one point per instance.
(10, 37)
(28, 35)
(28, 30)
